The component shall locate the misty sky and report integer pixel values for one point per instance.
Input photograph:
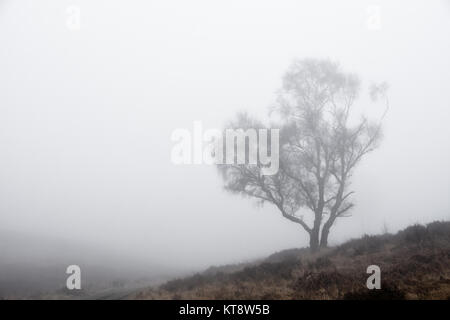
(86, 118)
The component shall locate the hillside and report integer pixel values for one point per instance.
(34, 266)
(415, 264)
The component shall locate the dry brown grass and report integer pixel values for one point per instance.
(415, 264)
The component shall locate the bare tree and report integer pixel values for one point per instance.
(321, 143)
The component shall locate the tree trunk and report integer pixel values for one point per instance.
(314, 240)
(314, 235)
(324, 238)
(313, 243)
(325, 232)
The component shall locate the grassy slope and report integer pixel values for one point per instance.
(415, 264)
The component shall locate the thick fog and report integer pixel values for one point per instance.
(87, 112)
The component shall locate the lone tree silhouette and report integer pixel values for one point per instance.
(320, 145)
